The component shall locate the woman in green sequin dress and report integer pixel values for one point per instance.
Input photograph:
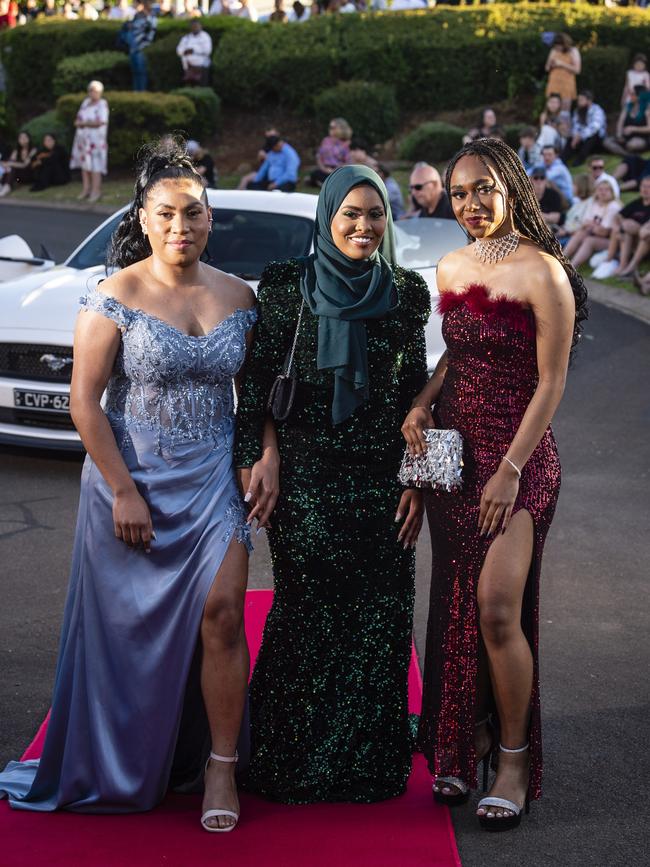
(329, 718)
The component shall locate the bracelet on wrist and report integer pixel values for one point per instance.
(513, 465)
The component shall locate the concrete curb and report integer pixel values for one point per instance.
(625, 302)
(60, 206)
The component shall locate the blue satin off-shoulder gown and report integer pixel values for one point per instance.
(127, 717)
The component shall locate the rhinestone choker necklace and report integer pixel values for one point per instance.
(492, 250)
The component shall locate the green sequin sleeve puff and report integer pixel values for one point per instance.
(329, 719)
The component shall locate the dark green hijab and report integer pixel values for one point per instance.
(344, 292)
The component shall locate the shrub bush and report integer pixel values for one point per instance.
(208, 110)
(29, 54)
(50, 121)
(274, 65)
(432, 142)
(370, 109)
(135, 119)
(603, 72)
(112, 68)
(436, 59)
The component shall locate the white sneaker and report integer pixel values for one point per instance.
(598, 258)
(605, 269)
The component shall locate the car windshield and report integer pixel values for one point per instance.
(421, 242)
(241, 242)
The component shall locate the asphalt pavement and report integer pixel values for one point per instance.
(594, 616)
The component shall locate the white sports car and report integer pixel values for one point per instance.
(39, 309)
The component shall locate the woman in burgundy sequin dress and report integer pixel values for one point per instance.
(512, 307)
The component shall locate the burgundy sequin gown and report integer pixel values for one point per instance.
(490, 380)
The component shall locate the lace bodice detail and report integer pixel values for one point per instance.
(177, 385)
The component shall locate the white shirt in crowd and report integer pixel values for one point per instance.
(122, 12)
(201, 45)
(236, 9)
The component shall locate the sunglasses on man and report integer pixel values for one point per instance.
(597, 167)
(419, 187)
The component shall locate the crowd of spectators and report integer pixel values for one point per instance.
(13, 13)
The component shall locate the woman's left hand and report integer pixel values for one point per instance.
(498, 500)
(411, 510)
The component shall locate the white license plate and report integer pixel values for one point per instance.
(45, 401)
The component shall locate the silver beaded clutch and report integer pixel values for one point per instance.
(439, 467)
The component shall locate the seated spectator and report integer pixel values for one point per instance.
(636, 75)
(551, 202)
(626, 246)
(598, 174)
(557, 173)
(17, 169)
(121, 10)
(333, 151)
(554, 123)
(582, 188)
(195, 52)
(166, 9)
(360, 155)
(69, 12)
(191, 10)
(244, 9)
(299, 12)
(203, 163)
(633, 126)
(395, 197)
(261, 156)
(279, 16)
(529, 151)
(485, 127)
(50, 9)
(8, 14)
(631, 171)
(596, 227)
(279, 171)
(588, 130)
(428, 198)
(51, 165)
(88, 12)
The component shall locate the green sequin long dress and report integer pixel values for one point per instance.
(329, 717)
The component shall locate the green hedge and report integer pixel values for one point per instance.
(603, 72)
(371, 109)
(112, 68)
(431, 142)
(135, 119)
(30, 54)
(207, 106)
(49, 121)
(436, 59)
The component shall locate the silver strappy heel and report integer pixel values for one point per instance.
(490, 821)
(452, 799)
(210, 814)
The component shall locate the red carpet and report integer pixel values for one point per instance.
(406, 832)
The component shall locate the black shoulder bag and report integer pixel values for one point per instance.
(283, 390)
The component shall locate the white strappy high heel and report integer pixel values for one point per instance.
(492, 822)
(453, 799)
(210, 814)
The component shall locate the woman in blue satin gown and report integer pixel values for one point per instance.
(153, 662)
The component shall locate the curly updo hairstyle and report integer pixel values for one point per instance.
(164, 160)
(527, 215)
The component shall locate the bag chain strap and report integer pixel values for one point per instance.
(295, 339)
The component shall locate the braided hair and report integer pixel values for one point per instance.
(159, 161)
(526, 213)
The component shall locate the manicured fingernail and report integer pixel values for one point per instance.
(153, 535)
(247, 497)
(398, 517)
